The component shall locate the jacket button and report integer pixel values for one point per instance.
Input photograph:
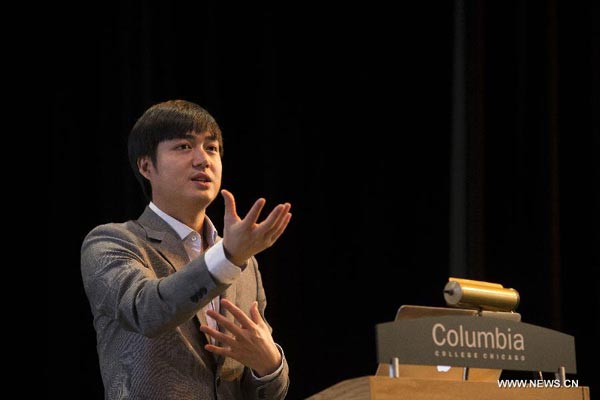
(198, 295)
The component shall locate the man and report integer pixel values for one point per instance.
(178, 312)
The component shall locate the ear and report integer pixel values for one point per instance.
(144, 165)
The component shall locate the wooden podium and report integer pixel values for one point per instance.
(385, 388)
(482, 344)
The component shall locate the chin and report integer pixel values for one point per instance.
(204, 197)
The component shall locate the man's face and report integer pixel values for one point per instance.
(187, 171)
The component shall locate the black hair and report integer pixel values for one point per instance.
(168, 120)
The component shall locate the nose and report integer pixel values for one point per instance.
(200, 159)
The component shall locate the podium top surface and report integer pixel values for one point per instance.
(408, 311)
(385, 388)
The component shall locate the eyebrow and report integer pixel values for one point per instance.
(194, 136)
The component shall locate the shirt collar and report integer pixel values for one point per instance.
(182, 229)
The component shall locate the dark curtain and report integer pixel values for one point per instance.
(346, 113)
(532, 171)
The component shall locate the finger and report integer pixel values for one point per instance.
(218, 336)
(265, 226)
(221, 351)
(280, 219)
(281, 228)
(225, 323)
(255, 314)
(254, 212)
(238, 314)
(230, 209)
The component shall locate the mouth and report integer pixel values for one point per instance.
(201, 181)
(203, 178)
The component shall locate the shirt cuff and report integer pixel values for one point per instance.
(274, 374)
(219, 266)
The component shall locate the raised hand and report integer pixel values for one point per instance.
(244, 238)
(249, 341)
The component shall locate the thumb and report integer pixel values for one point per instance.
(230, 211)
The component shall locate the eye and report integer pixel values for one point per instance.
(183, 146)
(213, 148)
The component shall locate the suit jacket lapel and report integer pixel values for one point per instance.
(169, 245)
(165, 239)
(228, 368)
(229, 294)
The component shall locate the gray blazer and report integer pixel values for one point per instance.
(147, 316)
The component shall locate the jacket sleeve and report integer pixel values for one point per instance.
(120, 283)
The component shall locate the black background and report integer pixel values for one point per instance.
(346, 112)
